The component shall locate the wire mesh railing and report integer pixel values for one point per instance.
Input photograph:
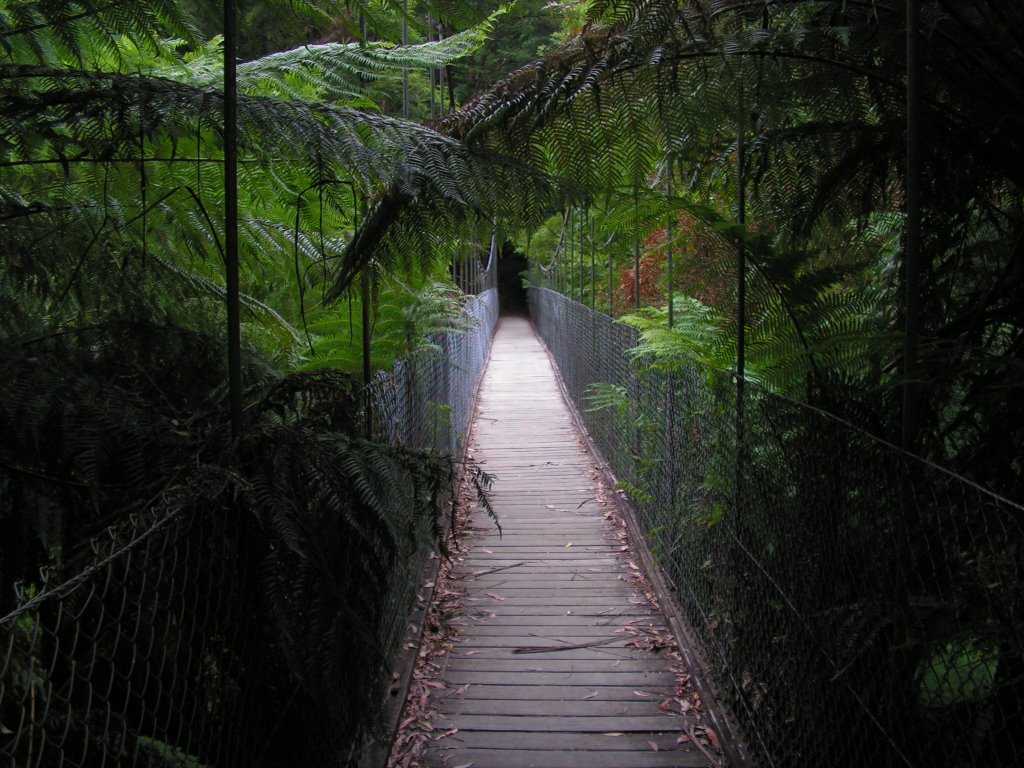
(857, 605)
(150, 644)
(427, 403)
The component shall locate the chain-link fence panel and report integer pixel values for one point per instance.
(140, 658)
(426, 402)
(858, 606)
(158, 642)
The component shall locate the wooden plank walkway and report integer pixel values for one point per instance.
(556, 578)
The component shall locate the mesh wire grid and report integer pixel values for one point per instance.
(145, 654)
(857, 605)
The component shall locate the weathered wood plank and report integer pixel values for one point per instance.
(566, 635)
(570, 758)
(549, 623)
(580, 708)
(549, 664)
(532, 693)
(568, 602)
(635, 680)
(666, 742)
(549, 611)
(558, 581)
(569, 723)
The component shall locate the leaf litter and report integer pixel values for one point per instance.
(441, 629)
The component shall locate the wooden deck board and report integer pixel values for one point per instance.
(555, 576)
(573, 757)
(568, 741)
(531, 693)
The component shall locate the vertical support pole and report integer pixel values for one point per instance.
(912, 235)
(911, 275)
(593, 267)
(669, 276)
(741, 306)
(557, 267)
(572, 253)
(430, 70)
(611, 284)
(143, 180)
(405, 70)
(583, 235)
(439, 73)
(558, 273)
(634, 379)
(636, 269)
(442, 78)
(670, 429)
(364, 295)
(562, 246)
(492, 262)
(364, 300)
(231, 215)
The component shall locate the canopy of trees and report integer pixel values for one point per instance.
(704, 128)
(642, 117)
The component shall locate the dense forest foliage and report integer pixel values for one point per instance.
(644, 154)
(780, 129)
(114, 341)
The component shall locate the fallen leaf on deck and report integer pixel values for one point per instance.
(488, 551)
(496, 597)
(614, 733)
(590, 695)
(653, 746)
(640, 693)
(712, 737)
(568, 545)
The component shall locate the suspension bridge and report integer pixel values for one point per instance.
(561, 659)
(752, 604)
